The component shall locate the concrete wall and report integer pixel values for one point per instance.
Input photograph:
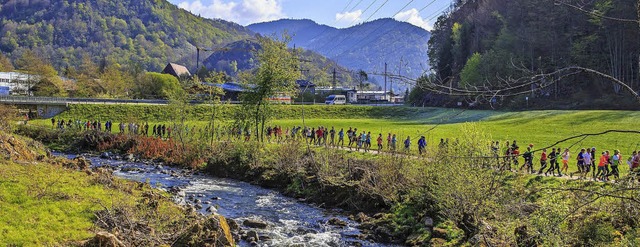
(48, 111)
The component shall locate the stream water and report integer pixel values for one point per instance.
(290, 222)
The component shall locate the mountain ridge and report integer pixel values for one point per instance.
(366, 46)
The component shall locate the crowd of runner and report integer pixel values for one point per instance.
(589, 164)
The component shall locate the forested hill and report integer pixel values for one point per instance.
(484, 43)
(241, 56)
(147, 32)
(366, 46)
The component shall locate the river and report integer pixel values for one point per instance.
(290, 222)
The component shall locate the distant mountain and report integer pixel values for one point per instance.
(147, 32)
(366, 46)
(240, 56)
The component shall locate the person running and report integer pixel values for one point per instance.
(515, 153)
(379, 140)
(407, 144)
(587, 162)
(552, 163)
(341, 137)
(543, 161)
(389, 141)
(332, 133)
(368, 142)
(615, 163)
(601, 175)
(422, 144)
(580, 163)
(606, 166)
(350, 136)
(528, 161)
(394, 141)
(565, 161)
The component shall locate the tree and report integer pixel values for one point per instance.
(276, 75)
(44, 79)
(362, 78)
(159, 86)
(5, 64)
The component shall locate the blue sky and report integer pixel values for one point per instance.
(336, 13)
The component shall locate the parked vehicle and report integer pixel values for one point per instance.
(336, 100)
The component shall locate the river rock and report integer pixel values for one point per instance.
(212, 209)
(206, 202)
(428, 222)
(252, 235)
(197, 201)
(215, 198)
(198, 206)
(337, 222)
(129, 157)
(383, 234)
(255, 224)
(105, 239)
(105, 155)
(82, 162)
(233, 225)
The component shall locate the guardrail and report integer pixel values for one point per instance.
(64, 101)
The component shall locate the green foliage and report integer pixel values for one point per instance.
(276, 75)
(471, 74)
(149, 33)
(159, 86)
(518, 38)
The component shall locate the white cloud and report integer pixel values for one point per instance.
(242, 11)
(413, 16)
(348, 18)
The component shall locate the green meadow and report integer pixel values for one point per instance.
(541, 128)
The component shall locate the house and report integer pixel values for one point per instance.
(176, 70)
(306, 86)
(18, 83)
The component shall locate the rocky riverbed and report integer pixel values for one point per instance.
(257, 216)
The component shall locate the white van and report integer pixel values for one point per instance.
(336, 100)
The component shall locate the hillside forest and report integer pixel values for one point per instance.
(492, 44)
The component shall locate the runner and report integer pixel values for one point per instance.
(615, 162)
(565, 161)
(389, 141)
(379, 140)
(601, 172)
(332, 133)
(528, 160)
(552, 163)
(543, 161)
(394, 140)
(407, 144)
(341, 137)
(580, 160)
(422, 144)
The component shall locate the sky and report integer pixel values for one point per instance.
(335, 13)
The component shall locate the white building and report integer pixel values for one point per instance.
(18, 83)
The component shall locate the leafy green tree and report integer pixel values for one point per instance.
(276, 75)
(159, 86)
(471, 74)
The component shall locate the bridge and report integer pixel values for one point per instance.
(47, 107)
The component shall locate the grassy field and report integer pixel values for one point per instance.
(541, 128)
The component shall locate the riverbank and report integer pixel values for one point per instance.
(49, 200)
(444, 199)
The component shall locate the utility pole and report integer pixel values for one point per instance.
(385, 80)
(333, 83)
